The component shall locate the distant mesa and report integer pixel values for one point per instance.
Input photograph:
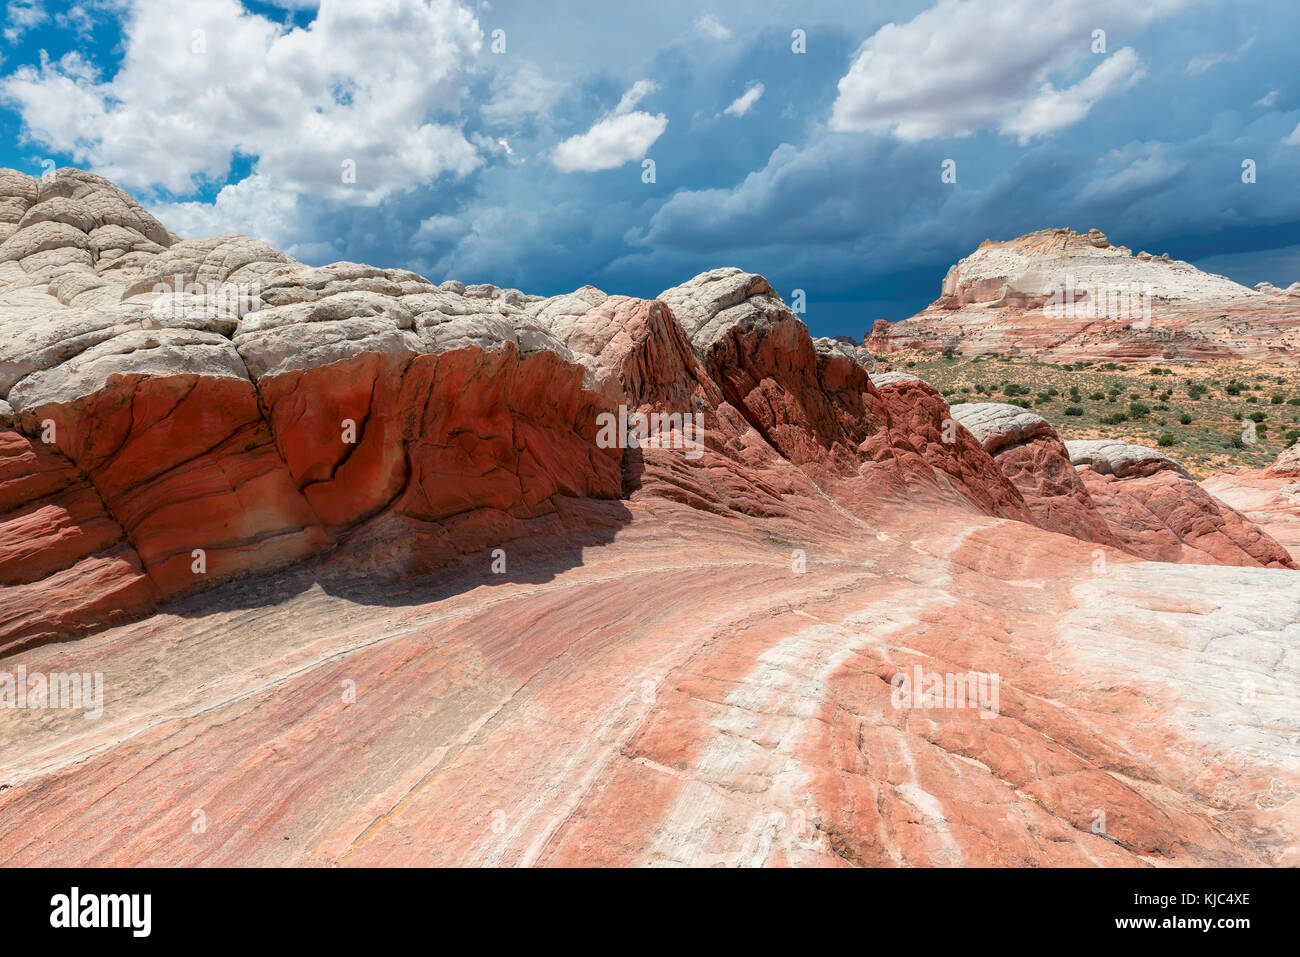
(1059, 295)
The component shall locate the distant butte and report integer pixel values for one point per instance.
(1061, 296)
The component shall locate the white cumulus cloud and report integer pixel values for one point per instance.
(253, 206)
(711, 26)
(635, 94)
(1053, 109)
(964, 65)
(612, 142)
(203, 81)
(21, 16)
(618, 138)
(743, 103)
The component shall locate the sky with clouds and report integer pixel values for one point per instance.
(630, 146)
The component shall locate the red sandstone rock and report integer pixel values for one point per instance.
(186, 463)
(565, 653)
(1158, 512)
(65, 565)
(1031, 454)
(1268, 497)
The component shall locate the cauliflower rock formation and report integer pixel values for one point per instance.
(635, 576)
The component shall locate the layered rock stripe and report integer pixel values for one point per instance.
(1061, 296)
(685, 660)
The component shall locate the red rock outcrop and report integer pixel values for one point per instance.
(64, 563)
(428, 576)
(1268, 497)
(1157, 511)
(1031, 454)
(814, 404)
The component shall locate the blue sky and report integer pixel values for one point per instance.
(504, 142)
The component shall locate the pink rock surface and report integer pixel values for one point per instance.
(1268, 497)
(1156, 510)
(684, 699)
(477, 635)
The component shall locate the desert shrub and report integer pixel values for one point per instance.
(1277, 398)
(1258, 416)
(1073, 410)
(1185, 419)
(1291, 435)
(1138, 411)
(1165, 440)
(1097, 396)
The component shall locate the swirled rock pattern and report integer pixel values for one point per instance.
(585, 579)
